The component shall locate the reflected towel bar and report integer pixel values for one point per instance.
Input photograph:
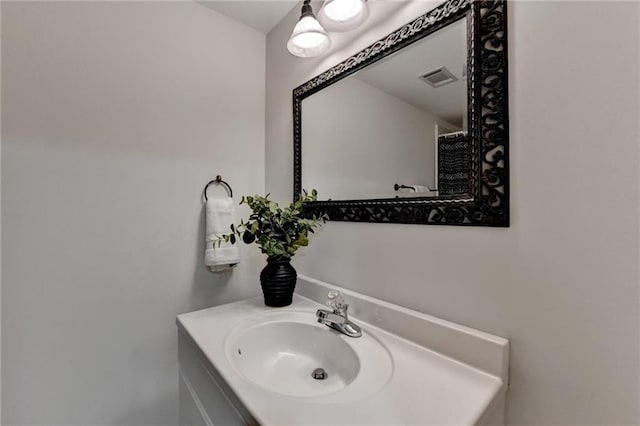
(398, 186)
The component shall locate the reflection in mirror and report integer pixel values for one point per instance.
(396, 128)
(353, 150)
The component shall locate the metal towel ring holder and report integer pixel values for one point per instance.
(219, 181)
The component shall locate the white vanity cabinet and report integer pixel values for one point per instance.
(245, 363)
(205, 399)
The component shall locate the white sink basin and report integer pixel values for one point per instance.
(246, 363)
(278, 351)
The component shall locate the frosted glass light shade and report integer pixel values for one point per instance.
(308, 38)
(343, 15)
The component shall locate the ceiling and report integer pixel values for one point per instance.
(398, 74)
(262, 15)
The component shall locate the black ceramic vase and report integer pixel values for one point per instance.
(278, 280)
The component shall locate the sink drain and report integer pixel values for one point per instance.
(319, 374)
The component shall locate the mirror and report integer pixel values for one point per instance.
(386, 130)
(412, 129)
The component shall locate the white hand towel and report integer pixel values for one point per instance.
(414, 188)
(220, 214)
(420, 188)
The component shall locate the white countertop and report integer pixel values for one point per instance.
(425, 387)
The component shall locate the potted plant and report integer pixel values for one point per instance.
(279, 232)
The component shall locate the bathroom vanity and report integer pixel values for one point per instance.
(245, 363)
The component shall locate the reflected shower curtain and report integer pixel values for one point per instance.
(453, 163)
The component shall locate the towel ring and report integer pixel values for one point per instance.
(219, 181)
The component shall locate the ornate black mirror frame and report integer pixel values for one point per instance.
(487, 202)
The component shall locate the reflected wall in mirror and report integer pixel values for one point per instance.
(412, 129)
(378, 133)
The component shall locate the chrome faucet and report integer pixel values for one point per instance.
(338, 319)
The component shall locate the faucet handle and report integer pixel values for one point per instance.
(335, 301)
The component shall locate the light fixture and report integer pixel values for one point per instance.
(308, 38)
(343, 15)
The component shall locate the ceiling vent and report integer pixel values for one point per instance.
(438, 77)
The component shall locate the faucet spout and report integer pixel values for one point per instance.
(338, 318)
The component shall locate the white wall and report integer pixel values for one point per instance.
(355, 149)
(562, 281)
(115, 115)
(0, 219)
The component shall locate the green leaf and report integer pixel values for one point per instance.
(276, 230)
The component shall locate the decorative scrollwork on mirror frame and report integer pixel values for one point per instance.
(487, 202)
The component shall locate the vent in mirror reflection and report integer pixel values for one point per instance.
(438, 77)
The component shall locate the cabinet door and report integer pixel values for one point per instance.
(199, 391)
(190, 414)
